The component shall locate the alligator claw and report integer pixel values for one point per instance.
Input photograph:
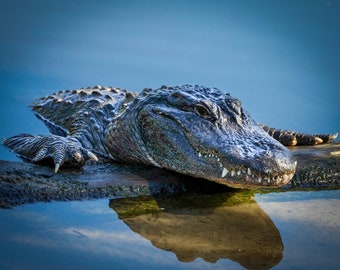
(51, 150)
(56, 168)
(92, 156)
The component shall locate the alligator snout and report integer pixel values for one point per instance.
(264, 163)
(275, 167)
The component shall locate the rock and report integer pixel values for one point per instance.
(20, 183)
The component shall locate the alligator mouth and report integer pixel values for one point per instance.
(238, 175)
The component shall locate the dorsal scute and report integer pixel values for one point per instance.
(80, 96)
(186, 95)
(69, 108)
(196, 91)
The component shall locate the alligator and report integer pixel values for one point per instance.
(193, 130)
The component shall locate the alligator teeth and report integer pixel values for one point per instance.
(268, 171)
(224, 172)
(208, 155)
(241, 172)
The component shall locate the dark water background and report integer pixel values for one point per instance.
(280, 58)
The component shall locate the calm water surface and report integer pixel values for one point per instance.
(293, 230)
(281, 58)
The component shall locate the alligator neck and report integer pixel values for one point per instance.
(91, 135)
(124, 142)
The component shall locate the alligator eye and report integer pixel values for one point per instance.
(203, 111)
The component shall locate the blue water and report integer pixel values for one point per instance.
(90, 235)
(280, 58)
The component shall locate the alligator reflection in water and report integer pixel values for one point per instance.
(220, 226)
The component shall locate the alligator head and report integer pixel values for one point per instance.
(200, 132)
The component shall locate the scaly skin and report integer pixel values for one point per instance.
(193, 130)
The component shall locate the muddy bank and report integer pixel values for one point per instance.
(20, 183)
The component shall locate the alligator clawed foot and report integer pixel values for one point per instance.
(291, 138)
(314, 139)
(50, 150)
(326, 138)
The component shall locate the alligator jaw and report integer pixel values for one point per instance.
(253, 181)
(241, 176)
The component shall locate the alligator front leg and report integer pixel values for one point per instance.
(291, 138)
(49, 150)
